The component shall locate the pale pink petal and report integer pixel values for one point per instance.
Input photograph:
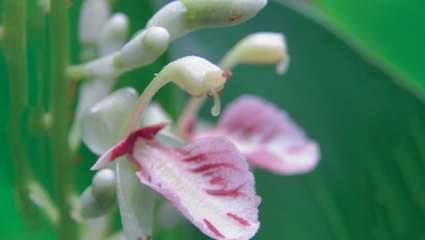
(208, 181)
(267, 136)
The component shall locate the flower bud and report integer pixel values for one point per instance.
(195, 75)
(216, 13)
(103, 184)
(102, 125)
(91, 207)
(114, 34)
(100, 197)
(182, 17)
(144, 48)
(259, 48)
(93, 15)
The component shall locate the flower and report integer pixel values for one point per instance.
(208, 180)
(185, 16)
(265, 135)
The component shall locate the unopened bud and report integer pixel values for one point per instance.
(216, 13)
(182, 17)
(144, 48)
(114, 34)
(195, 75)
(259, 48)
(103, 184)
(93, 15)
(102, 125)
(100, 197)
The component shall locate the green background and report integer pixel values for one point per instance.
(370, 183)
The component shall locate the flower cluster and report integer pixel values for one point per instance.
(202, 170)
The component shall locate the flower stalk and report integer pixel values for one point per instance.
(58, 135)
(195, 75)
(15, 43)
(257, 48)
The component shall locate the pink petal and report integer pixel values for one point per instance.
(267, 136)
(208, 181)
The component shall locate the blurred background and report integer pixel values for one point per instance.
(356, 83)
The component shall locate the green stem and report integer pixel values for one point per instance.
(58, 135)
(1, 33)
(15, 44)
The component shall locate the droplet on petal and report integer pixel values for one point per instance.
(208, 181)
(216, 109)
(267, 136)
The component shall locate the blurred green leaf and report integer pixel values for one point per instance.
(390, 31)
(370, 182)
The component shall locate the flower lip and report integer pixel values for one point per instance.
(266, 136)
(124, 146)
(208, 180)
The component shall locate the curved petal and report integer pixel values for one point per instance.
(208, 181)
(267, 136)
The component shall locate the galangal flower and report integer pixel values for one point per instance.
(208, 180)
(265, 135)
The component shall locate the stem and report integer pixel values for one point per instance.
(60, 155)
(187, 118)
(1, 33)
(15, 44)
(145, 98)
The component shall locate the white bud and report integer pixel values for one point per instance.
(92, 207)
(195, 75)
(182, 17)
(171, 17)
(258, 48)
(144, 48)
(114, 34)
(216, 13)
(93, 15)
(102, 125)
(103, 184)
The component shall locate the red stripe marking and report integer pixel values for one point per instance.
(240, 220)
(226, 193)
(234, 18)
(196, 158)
(297, 149)
(218, 180)
(213, 229)
(207, 167)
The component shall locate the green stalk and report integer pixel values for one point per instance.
(14, 45)
(58, 135)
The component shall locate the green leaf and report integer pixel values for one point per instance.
(388, 30)
(370, 182)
